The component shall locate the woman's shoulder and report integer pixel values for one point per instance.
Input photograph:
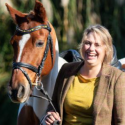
(113, 70)
(116, 70)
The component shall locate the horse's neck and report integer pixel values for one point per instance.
(40, 105)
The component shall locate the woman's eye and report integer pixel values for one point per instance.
(39, 43)
(87, 42)
(97, 45)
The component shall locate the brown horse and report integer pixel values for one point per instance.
(35, 58)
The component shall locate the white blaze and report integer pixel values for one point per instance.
(22, 43)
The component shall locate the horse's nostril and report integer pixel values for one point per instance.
(13, 93)
(20, 91)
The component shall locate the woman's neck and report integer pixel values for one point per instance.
(91, 71)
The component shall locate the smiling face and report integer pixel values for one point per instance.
(100, 40)
(93, 50)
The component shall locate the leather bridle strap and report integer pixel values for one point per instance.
(38, 71)
(25, 65)
(33, 68)
(45, 55)
(34, 29)
(25, 74)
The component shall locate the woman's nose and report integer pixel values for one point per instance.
(92, 47)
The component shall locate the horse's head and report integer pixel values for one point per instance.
(34, 50)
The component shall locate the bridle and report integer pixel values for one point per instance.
(38, 71)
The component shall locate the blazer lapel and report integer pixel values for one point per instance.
(66, 85)
(102, 89)
(72, 70)
(67, 82)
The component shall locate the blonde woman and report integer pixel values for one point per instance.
(90, 92)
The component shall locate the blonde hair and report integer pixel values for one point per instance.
(105, 37)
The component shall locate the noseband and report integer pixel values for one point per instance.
(38, 71)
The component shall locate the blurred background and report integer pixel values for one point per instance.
(69, 18)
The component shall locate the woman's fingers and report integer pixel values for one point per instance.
(49, 120)
(56, 116)
(51, 117)
(47, 123)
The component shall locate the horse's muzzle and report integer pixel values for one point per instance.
(18, 95)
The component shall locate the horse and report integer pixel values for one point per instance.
(36, 58)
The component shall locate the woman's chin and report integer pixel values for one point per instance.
(90, 61)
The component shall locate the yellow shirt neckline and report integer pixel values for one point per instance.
(86, 80)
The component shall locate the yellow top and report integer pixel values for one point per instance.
(79, 101)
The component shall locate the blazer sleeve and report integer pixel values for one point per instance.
(119, 100)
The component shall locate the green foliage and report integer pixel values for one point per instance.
(5, 48)
(112, 16)
(8, 110)
(24, 5)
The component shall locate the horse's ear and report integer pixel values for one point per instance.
(15, 14)
(40, 11)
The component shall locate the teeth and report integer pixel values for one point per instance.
(91, 54)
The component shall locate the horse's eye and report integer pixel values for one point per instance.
(39, 43)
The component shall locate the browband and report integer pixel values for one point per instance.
(34, 29)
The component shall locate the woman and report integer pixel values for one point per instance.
(90, 92)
